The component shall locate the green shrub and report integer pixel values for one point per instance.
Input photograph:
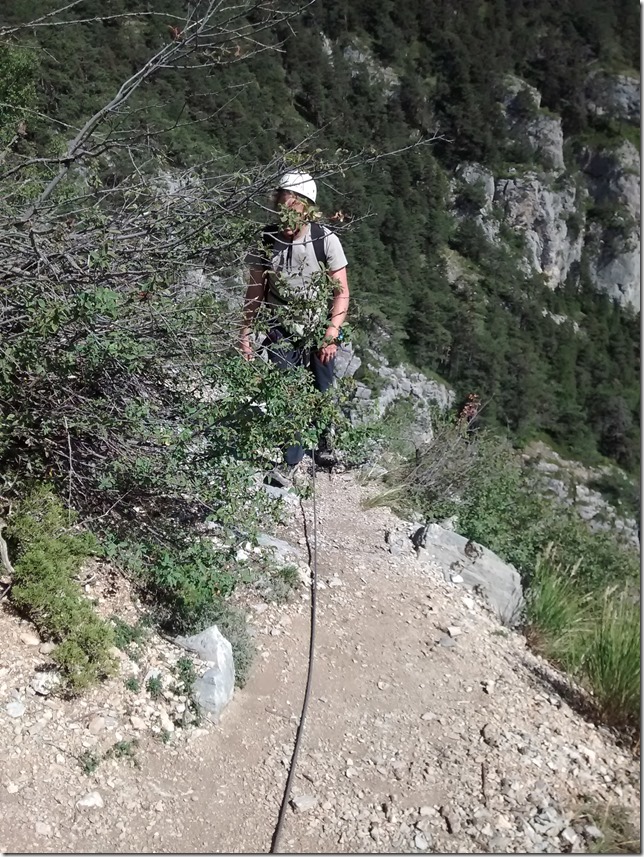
(47, 559)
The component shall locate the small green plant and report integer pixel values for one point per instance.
(154, 687)
(48, 557)
(89, 762)
(126, 634)
(133, 684)
(164, 736)
(186, 677)
(124, 750)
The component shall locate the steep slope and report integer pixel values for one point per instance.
(416, 740)
(372, 77)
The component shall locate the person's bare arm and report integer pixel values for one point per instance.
(252, 302)
(339, 311)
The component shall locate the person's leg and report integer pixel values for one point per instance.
(323, 375)
(322, 372)
(285, 360)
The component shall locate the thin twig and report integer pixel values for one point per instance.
(71, 473)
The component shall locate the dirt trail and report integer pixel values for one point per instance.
(415, 740)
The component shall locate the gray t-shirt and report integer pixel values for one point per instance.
(294, 275)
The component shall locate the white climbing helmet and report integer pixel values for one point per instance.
(300, 183)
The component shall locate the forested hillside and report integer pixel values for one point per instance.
(373, 77)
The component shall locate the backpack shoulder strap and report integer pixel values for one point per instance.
(317, 235)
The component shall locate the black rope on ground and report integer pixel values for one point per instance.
(309, 676)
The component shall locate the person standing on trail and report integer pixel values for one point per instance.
(299, 273)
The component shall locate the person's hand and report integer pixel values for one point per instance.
(329, 348)
(327, 352)
(245, 348)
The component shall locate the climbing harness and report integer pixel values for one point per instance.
(313, 560)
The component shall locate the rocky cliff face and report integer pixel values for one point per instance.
(563, 210)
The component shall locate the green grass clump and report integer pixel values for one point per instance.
(620, 835)
(595, 638)
(47, 559)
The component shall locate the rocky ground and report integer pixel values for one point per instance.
(431, 727)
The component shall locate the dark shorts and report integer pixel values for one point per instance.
(285, 356)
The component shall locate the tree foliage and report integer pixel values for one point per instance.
(249, 102)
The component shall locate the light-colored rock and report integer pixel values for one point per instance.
(385, 76)
(46, 648)
(616, 95)
(45, 682)
(96, 724)
(521, 104)
(421, 842)
(497, 580)
(304, 803)
(542, 215)
(214, 690)
(137, 723)
(92, 800)
(592, 832)
(613, 178)
(282, 551)
(43, 829)
(165, 721)
(347, 361)
(30, 638)
(15, 708)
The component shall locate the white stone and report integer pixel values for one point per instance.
(420, 841)
(96, 724)
(214, 690)
(43, 683)
(15, 708)
(92, 800)
(303, 803)
(30, 638)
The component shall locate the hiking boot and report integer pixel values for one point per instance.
(325, 458)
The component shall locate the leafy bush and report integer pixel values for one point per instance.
(47, 559)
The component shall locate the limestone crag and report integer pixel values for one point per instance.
(543, 215)
(614, 95)
(613, 180)
(528, 123)
(548, 206)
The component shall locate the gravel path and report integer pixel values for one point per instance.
(431, 728)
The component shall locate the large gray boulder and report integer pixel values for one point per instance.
(498, 581)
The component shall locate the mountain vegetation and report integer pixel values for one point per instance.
(138, 146)
(448, 63)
